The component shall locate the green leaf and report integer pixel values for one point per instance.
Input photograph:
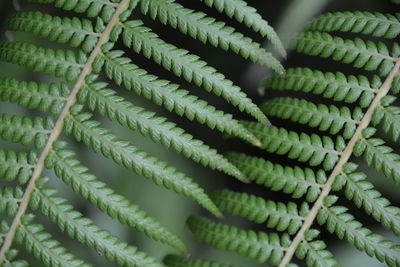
(162, 92)
(362, 54)
(41, 96)
(289, 180)
(363, 193)
(283, 217)
(82, 229)
(73, 173)
(17, 165)
(378, 155)
(25, 130)
(179, 261)
(260, 246)
(159, 129)
(242, 12)
(335, 86)
(326, 118)
(338, 221)
(77, 32)
(313, 149)
(375, 24)
(207, 30)
(60, 63)
(188, 66)
(126, 155)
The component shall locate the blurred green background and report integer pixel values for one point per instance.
(166, 206)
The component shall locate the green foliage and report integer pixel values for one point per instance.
(290, 180)
(375, 24)
(303, 147)
(44, 97)
(260, 246)
(335, 86)
(62, 64)
(326, 118)
(179, 261)
(208, 30)
(77, 86)
(345, 106)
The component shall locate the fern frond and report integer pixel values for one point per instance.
(388, 117)
(290, 180)
(242, 12)
(375, 24)
(61, 63)
(17, 165)
(179, 261)
(148, 124)
(169, 95)
(314, 252)
(9, 200)
(126, 155)
(260, 246)
(44, 247)
(70, 170)
(93, 8)
(283, 217)
(25, 130)
(336, 86)
(378, 155)
(208, 30)
(361, 54)
(77, 32)
(326, 118)
(363, 194)
(188, 66)
(338, 221)
(303, 147)
(44, 97)
(82, 229)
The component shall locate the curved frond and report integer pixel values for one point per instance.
(126, 155)
(313, 149)
(75, 31)
(17, 165)
(325, 118)
(242, 12)
(25, 130)
(44, 247)
(338, 221)
(70, 170)
(169, 95)
(315, 254)
(260, 246)
(44, 97)
(82, 229)
(336, 86)
(378, 155)
(159, 129)
(388, 116)
(375, 24)
(9, 200)
(93, 8)
(61, 63)
(361, 54)
(188, 66)
(357, 188)
(208, 30)
(290, 180)
(283, 217)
